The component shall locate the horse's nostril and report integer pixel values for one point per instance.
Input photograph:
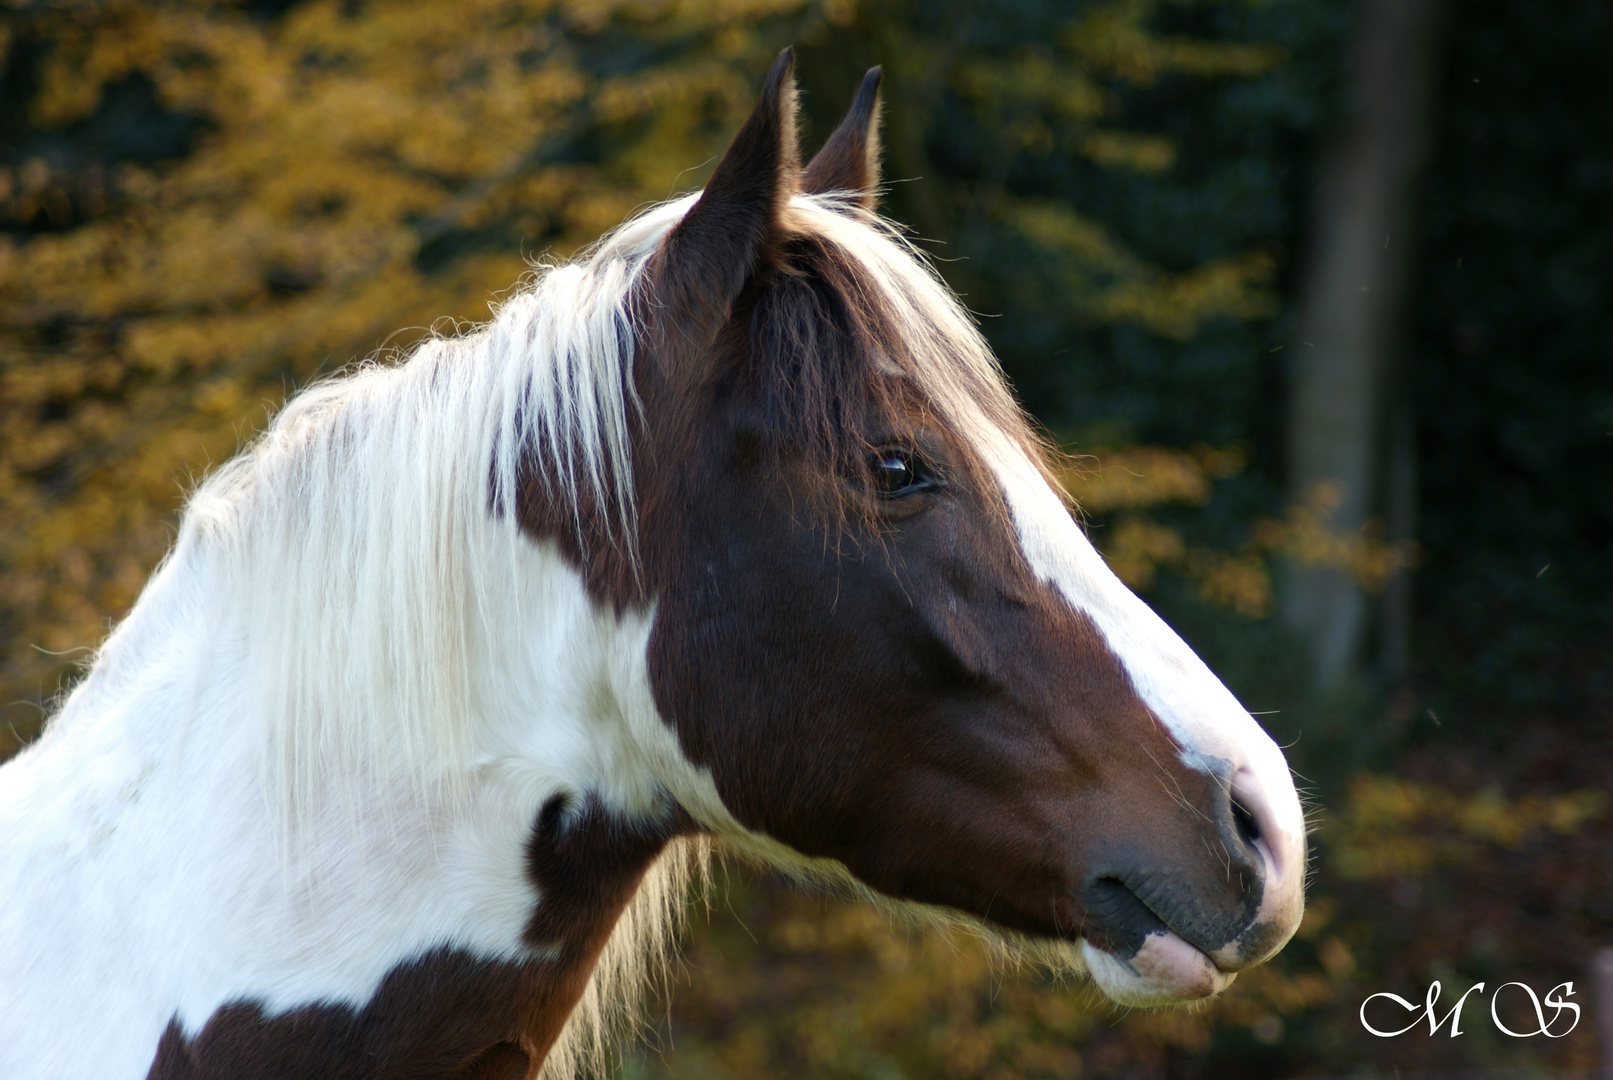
(1248, 827)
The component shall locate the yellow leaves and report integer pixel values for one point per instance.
(677, 16)
(1037, 80)
(1565, 814)
(1396, 828)
(1240, 581)
(1136, 547)
(1110, 41)
(1152, 154)
(1175, 305)
(166, 346)
(1051, 97)
(35, 188)
(83, 60)
(705, 12)
(220, 67)
(683, 84)
(221, 397)
(1113, 285)
(1057, 227)
(1305, 535)
(212, 64)
(1140, 476)
(922, 994)
(1126, 481)
(1114, 40)
(48, 444)
(60, 377)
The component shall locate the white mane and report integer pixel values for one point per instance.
(351, 526)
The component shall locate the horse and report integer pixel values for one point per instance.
(727, 531)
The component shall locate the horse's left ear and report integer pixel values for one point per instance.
(849, 161)
(732, 230)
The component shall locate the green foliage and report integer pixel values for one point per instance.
(1114, 185)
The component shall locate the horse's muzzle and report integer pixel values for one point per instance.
(1177, 927)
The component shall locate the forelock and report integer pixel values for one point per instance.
(852, 327)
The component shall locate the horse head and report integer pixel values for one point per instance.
(883, 643)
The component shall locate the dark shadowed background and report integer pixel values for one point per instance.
(1314, 292)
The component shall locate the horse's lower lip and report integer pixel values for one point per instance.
(1165, 969)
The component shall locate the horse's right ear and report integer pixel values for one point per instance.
(732, 230)
(849, 161)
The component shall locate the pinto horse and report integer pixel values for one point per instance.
(729, 529)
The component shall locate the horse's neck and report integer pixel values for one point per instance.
(146, 882)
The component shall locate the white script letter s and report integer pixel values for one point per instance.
(1559, 1004)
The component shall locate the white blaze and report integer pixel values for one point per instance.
(1194, 705)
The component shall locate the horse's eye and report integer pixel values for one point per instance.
(898, 472)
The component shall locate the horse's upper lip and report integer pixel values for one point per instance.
(1117, 919)
(1136, 957)
(1121, 917)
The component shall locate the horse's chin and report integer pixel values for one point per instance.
(1165, 971)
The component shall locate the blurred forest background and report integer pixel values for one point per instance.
(1316, 292)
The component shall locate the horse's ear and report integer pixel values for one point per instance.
(849, 161)
(731, 231)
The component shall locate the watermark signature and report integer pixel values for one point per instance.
(1556, 999)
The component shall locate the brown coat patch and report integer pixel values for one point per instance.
(451, 1015)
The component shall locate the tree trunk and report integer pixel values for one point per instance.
(1349, 417)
